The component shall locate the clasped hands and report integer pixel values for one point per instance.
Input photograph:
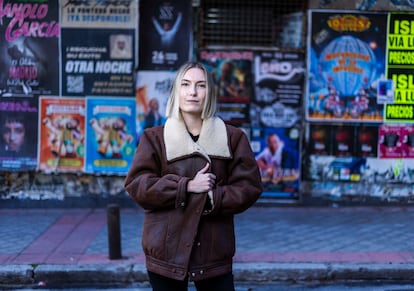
(202, 182)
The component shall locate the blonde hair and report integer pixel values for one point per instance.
(210, 103)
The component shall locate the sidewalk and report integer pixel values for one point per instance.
(60, 246)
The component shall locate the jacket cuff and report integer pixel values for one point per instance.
(181, 199)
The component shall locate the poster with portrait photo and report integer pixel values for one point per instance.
(29, 48)
(110, 134)
(151, 95)
(61, 134)
(18, 142)
(165, 34)
(277, 155)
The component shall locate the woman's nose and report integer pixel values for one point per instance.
(193, 90)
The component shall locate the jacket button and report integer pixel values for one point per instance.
(182, 204)
(201, 272)
(199, 244)
(193, 274)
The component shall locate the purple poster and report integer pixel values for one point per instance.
(29, 51)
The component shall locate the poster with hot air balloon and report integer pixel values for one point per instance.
(346, 61)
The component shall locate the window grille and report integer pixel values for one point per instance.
(244, 23)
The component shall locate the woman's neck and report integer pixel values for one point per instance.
(193, 123)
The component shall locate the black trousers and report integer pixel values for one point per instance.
(219, 283)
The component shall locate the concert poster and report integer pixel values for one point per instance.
(279, 86)
(343, 140)
(61, 134)
(366, 141)
(110, 134)
(165, 34)
(29, 48)
(390, 141)
(98, 48)
(18, 140)
(277, 155)
(152, 92)
(318, 139)
(233, 78)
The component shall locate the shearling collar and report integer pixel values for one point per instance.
(212, 140)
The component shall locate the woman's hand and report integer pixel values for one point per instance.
(202, 182)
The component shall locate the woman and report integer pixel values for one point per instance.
(191, 176)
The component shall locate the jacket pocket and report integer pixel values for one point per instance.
(154, 234)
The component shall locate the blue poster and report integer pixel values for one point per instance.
(346, 61)
(110, 134)
(277, 155)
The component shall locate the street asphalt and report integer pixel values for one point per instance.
(60, 246)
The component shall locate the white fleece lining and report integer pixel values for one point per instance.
(211, 142)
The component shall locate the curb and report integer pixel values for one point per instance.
(243, 272)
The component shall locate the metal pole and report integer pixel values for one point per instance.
(114, 232)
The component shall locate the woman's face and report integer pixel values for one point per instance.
(13, 135)
(192, 92)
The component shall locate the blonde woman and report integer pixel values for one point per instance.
(192, 176)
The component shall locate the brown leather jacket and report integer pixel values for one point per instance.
(179, 236)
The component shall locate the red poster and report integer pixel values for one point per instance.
(61, 134)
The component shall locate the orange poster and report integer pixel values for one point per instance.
(61, 134)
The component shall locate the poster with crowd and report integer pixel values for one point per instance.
(165, 34)
(61, 134)
(232, 72)
(29, 48)
(110, 134)
(152, 92)
(98, 48)
(279, 86)
(18, 142)
(346, 57)
(277, 155)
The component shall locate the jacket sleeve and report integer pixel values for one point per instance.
(244, 185)
(146, 184)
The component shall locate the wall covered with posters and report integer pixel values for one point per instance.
(81, 80)
(359, 104)
(67, 97)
